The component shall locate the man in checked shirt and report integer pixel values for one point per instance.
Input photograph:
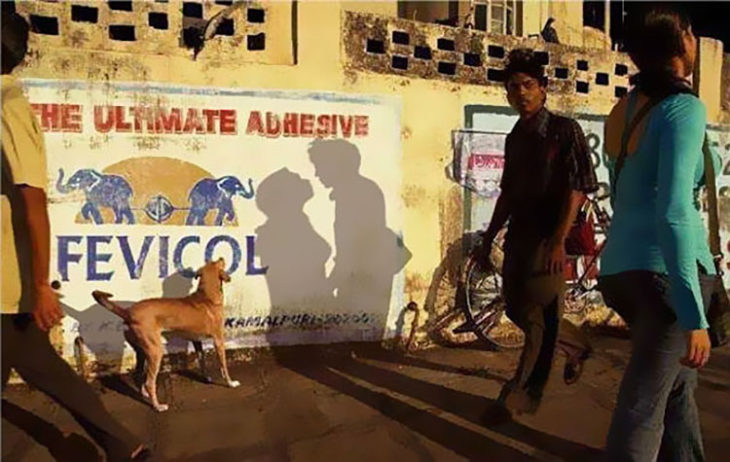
(546, 176)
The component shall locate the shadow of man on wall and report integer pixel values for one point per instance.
(368, 254)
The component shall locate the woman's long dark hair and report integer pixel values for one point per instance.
(654, 36)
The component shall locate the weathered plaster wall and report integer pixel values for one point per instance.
(568, 21)
(710, 76)
(331, 46)
(725, 79)
(336, 49)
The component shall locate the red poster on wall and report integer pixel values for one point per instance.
(478, 161)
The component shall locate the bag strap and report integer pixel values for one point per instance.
(627, 135)
(714, 220)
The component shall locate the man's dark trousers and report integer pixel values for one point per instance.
(28, 350)
(535, 302)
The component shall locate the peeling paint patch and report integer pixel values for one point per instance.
(147, 143)
(97, 141)
(451, 207)
(413, 195)
(416, 283)
(195, 144)
(350, 76)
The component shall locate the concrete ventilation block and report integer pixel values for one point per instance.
(422, 52)
(122, 33)
(445, 44)
(400, 62)
(256, 42)
(495, 51)
(375, 46)
(80, 13)
(158, 20)
(401, 38)
(447, 68)
(45, 25)
(472, 59)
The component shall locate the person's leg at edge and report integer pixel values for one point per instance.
(39, 365)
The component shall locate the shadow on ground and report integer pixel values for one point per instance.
(341, 369)
(63, 448)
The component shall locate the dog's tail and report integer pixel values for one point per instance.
(102, 298)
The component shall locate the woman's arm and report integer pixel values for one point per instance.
(682, 132)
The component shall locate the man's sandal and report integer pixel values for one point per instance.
(574, 367)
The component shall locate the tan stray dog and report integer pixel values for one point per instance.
(199, 315)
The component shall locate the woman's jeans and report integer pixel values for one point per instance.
(656, 415)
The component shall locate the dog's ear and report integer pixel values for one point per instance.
(225, 277)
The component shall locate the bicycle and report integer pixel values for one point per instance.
(483, 304)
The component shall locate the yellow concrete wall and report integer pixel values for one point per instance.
(568, 21)
(427, 11)
(383, 8)
(726, 88)
(710, 69)
(594, 38)
(536, 13)
(532, 17)
(431, 108)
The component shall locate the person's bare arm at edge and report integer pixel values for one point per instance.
(555, 256)
(46, 309)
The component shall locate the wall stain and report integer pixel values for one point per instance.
(147, 143)
(413, 195)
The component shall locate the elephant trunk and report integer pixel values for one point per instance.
(248, 194)
(62, 188)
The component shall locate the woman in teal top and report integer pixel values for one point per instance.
(656, 226)
(657, 246)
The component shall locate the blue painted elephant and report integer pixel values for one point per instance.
(101, 190)
(210, 193)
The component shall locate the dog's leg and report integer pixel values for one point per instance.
(139, 367)
(221, 350)
(154, 360)
(201, 360)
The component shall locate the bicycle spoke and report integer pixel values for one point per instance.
(482, 323)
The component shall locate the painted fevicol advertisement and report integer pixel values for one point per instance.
(499, 119)
(298, 192)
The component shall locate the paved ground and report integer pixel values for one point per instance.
(358, 403)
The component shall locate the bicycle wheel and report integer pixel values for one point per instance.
(485, 307)
(443, 302)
